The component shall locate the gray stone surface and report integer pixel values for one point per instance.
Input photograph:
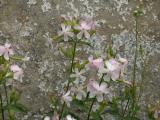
(30, 24)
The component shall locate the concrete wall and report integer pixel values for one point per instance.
(30, 24)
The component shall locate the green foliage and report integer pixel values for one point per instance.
(13, 103)
(80, 105)
(67, 52)
(96, 116)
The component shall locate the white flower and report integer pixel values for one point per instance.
(95, 107)
(18, 72)
(79, 92)
(6, 51)
(66, 31)
(97, 90)
(124, 64)
(69, 117)
(67, 98)
(26, 58)
(156, 114)
(47, 118)
(78, 76)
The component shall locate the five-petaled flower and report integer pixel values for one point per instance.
(95, 89)
(115, 68)
(6, 51)
(18, 72)
(78, 76)
(67, 98)
(78, 91)
(84, 28)
(66, 32)
(94, 63)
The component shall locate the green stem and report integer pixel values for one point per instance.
(90, 109)
(72, 64)
(125, 109)
(2, 110)
(6, 94)
(134, 70)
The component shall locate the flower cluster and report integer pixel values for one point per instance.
(8, 71)
(81, 86)
(6, 51)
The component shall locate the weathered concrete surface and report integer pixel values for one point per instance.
(29, 25)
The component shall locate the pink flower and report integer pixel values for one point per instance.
(18, 72)
(115, 68)
(97, 90)
(66, 31)
(84, 27)
(95, 63)
(6, 51)
(55, 116)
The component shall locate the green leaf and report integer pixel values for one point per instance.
(17, 58)
(13, 97)
(17, 108)
(80, 105)
(96, 116)
(56, 38)
(67, 52)
(85, 43)
(2, 60)
(102, 106)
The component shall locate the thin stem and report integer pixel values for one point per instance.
(136, 55)
(125, 109)
(90, 109)
(134, 70)
(72, 64)
(142, 81)
(3, 118)
(6, 94)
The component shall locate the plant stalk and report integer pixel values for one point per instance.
(72, 65)
(90, 109)
(2, 110)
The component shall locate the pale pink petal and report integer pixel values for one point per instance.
(65, 37)
(79, 96)
(68, 28)
(60, 33)
(99, 97)
(70, 34)
(2, 50)
(55, 116)
(90, 59)
(6, 56)
(86, 34)
(63, 27)
(18, 72)
(115, 75)
(78, 27)
(7, 45)
(98, 62)
(79, 35)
